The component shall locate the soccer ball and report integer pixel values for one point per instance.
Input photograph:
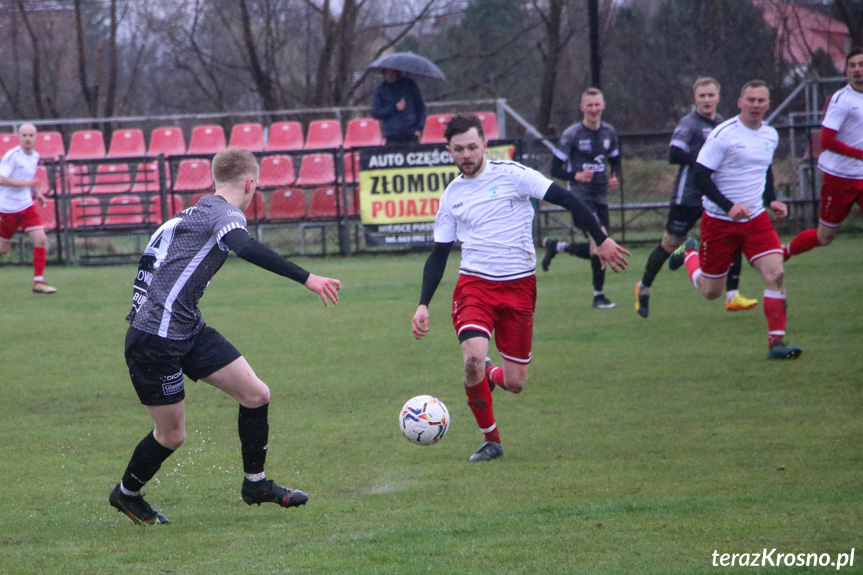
(424, 420)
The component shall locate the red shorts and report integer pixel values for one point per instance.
(837, 198)
(27, 219)
(502, 308)
(720, 240)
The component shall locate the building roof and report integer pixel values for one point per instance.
(801, 32)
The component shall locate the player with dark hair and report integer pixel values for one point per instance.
(167, 336)
(487, 208)
(685, 206)
(587, 147)
(840, 160)
(733, 173)
(18, 189)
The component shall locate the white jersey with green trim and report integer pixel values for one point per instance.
(492, 216)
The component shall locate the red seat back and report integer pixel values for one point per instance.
(168, 140)
(287, 204)
(86, 145)
(285, 136)
(207, 139)
(434, 128)
(276, 171)
(323, 204)
(248, 136)
(193, 175)
(317, 170)
(127, 143)
(363, 132)
(50, 145)
(324, 134)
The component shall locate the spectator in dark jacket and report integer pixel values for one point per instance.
(399, 105)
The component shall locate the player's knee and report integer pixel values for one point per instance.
(474, 370)
(258, 396)
(514, 384)
(774, 279)
(826, 236)
(171, 437)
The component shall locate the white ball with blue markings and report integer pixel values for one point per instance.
(424, 420)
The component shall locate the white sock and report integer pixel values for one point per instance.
(127, 492)
(729, 295)
(256, 476)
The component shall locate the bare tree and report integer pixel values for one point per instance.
(852, 15)
(551, 48)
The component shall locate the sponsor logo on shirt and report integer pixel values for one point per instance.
(493, 193)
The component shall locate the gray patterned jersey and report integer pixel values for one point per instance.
(180, 260)
(689, 136)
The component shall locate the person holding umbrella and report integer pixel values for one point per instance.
(399, 105)
(397, 101)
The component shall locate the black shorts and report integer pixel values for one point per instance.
(599, 210)
(681, 219)
(157, 364)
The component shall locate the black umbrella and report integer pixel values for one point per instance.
(410, 65)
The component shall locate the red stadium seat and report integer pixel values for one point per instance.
(77, 179)
(489, 125)
(86, 145)
(197, 197)
(248, 136)
(256, 210)
(167, 140)
(323, 204)
(324, 134)
(126, 143)
(363, 132)
(287, 204)
(50, 145)
(147, 178)
(7, 142)
(276, 172)
(352, 167)
(434, 127)
(86, 212)
(207, 139)
(124, 210)
(193, 175)
(48, 214)
(112, 179)
(285, 136)
(175, 206)
(317, 170)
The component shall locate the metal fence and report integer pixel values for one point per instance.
(103, 209)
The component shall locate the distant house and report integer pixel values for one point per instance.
(801, 32)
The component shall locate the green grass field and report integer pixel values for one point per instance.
(638, 446)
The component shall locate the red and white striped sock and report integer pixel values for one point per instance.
(775, 308)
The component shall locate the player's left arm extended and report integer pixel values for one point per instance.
(830, 142)
(607, 249)
(253, 251)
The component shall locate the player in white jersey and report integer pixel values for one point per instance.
(734, 175)
(18, 189)
(842, 142)
(487, 208)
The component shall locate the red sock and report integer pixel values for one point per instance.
(692, 263)
(802, 242)
(39, 264)
(774, 309)
(479, 400)
(495, 375)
